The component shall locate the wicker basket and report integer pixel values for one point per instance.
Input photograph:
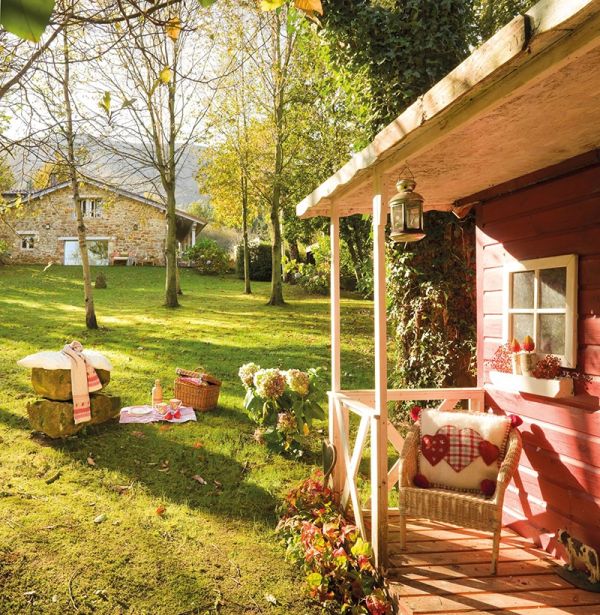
(202, 397)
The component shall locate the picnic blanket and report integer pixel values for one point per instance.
(187, 414)
(84, 380)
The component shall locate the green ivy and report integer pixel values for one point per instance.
(432, 305)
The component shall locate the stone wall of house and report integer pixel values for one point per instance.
(134, 229)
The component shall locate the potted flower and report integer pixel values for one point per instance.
(547, 377)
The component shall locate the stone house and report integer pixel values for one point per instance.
(121, 227)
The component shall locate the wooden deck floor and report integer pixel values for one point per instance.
(445, 570)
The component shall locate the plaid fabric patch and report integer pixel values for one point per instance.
(463, 446)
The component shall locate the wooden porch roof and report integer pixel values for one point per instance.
(526, 99)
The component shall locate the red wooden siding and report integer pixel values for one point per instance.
(558, 483)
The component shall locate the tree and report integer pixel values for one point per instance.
(71, 164)
(164, 71)
(49, 93)
(225, 166)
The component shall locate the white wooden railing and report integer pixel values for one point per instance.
(349, 454)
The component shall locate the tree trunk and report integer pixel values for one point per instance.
(90, 312)
(247, 286)
(276, 277)
(171, 282)
(171, 252)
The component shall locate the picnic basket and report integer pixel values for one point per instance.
(201, 396)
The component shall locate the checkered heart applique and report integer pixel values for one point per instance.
(458, 447)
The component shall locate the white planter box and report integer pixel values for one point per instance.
(563, 387)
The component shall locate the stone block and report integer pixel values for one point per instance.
(55, 418)
(55, 384)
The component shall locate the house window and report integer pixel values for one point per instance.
(91, 208)
(541, 301)
(27, 242)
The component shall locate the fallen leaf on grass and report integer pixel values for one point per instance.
(218, 484)
(271, 599)
(164, 427)
(199, 479)
(164, 466)
(161, 510)
(198, 445)
(138, 434)
(122, 488)
(91, 461)
(100, 518)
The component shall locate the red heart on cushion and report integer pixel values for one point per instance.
(434, 448)
(488, 451)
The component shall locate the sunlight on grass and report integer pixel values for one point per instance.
(212, 540)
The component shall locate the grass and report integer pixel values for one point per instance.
(214, 550)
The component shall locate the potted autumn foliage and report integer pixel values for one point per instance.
(283, 404)
(513, 367)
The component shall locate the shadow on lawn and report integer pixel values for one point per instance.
(164, 462)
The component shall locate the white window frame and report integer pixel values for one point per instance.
(569, 262)
(97, 207)
(24, 234)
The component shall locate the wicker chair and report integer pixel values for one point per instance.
(459, 508)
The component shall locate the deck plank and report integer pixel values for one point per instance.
(427, 605)
(467, 585)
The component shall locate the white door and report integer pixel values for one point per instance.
(72, 255)
(97, 252)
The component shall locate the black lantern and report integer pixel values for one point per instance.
(406, 210)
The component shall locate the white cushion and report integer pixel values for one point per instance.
(453, 443)
(50, 359)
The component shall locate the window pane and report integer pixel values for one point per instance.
(553, 284)
(522, 289)
(522, 325)
(552, 333)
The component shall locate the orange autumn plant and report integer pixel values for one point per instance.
(337, 561)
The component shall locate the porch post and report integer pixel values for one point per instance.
(193, 234)
(335, 429)
(379, 470)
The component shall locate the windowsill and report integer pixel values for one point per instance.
(560, 388)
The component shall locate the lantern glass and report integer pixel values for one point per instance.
(413, 216)
(406, 212)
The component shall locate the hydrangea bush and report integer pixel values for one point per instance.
(283, 404)
(329, 549)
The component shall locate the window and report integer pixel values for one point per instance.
(27, 242)
(91, 208)
(541, 301)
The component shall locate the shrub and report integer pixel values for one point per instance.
(282, 404)
(3, 250)
(208, 257)
(260, 262)
(336, 560)
(315, 277)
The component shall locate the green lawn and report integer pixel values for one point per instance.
(214, 550)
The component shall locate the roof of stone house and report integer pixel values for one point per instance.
(29, 196)
(525, 100)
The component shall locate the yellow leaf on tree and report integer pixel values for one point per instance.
(271, 5)
(309, 6)
(173, 28)
(165, 75)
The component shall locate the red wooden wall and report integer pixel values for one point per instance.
(558, 483)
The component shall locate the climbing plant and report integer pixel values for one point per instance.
(432, 305)
(403, 47)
